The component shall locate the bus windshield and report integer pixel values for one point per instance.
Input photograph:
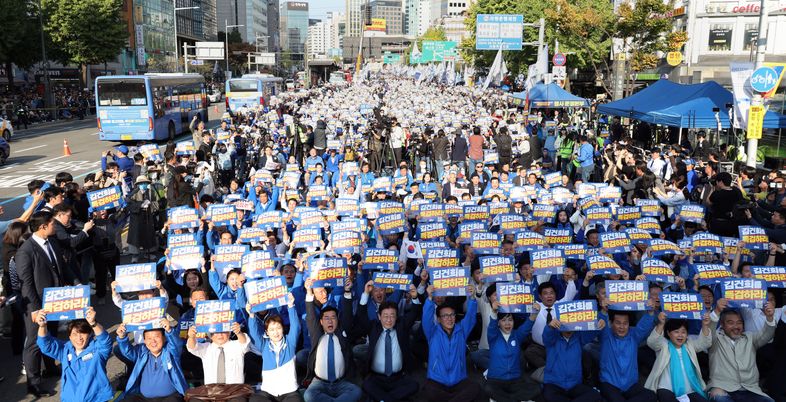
(243, 86)
(122, 93)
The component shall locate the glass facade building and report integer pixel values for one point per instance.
(293, 22)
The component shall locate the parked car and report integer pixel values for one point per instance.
(215, 96)
(5, 150)
(6, 129)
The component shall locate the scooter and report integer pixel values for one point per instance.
(5, 150)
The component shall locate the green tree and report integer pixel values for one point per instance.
(645, 29)
(88, 31)
(20, 42)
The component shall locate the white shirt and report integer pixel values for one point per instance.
(321, 365)
(234, 352)
(46, 247)
(540, 321)
(378, 364)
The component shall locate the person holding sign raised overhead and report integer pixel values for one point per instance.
(562, 375)
(157, 374)
(330, 360)
(676, 372)
(279, 379)
(447, 365)
(619, 344)
(83, 357)
(734, 376)
(223, 364)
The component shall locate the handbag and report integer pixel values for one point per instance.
(219, 392)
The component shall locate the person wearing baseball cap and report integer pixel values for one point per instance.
(124, 163)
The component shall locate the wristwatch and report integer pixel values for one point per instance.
(93, 325)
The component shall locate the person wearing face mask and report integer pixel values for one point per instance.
(83, 357)
(676, 372)
(143, 205)
(279, 377)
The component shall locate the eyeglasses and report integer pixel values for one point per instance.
(451, 315)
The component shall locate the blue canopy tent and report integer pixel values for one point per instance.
(549, 96)
(681, 105)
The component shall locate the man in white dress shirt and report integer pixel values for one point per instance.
(222, 359)
(535, 353)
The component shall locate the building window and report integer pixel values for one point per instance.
(751, 34)
(719, 38)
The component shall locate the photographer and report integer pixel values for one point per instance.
(723, 202)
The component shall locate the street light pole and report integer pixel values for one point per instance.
(761, 47)
(44, 61)
(226, 39)
(177, 50)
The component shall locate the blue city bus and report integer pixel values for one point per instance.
(148, 107)
(251, 90)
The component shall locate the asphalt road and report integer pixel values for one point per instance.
(37, 153)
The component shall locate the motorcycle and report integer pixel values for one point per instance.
(5, 150)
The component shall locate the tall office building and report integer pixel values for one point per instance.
(196, 25)
(293, 26)
(390, 11)
(274, 35)
(417, 17)
(252, 14)
(325, 37)
(354, 17)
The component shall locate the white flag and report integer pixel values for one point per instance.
(740, 84)
(497, 71)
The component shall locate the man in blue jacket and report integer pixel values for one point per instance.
(447, 342)
(157, 375)
(82, 358)
(619, 345)
(562, 375)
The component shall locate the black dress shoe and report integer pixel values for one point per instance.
(39, 392)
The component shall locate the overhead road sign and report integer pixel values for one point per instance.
(499, 31)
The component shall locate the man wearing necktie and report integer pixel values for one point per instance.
(223, 364)
(330, 361)
(40, 265)
(390, 355)
(535, 353)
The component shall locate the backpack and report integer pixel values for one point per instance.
(504, 145)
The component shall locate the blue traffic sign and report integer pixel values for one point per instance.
(499, 31)
(559, 59)
(764, 79)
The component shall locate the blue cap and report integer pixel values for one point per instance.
(689, 162)
(122, 149)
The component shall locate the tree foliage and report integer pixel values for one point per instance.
(644, 27)
(87, 31)
(19, 42)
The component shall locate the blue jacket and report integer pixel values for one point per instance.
(618, 356)
(447, 364)
(83, 376)
(504, 356)
(269, 359)
(170, 356)
(563, 357)
(224, 292)
(586, 155)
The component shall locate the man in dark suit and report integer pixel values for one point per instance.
(389, 353)
(71, 239)
(39, 264)
(330, 361)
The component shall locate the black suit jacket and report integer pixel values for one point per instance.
(35, 274)
(344, 333)
(403, 327)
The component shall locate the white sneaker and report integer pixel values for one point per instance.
(24, 372)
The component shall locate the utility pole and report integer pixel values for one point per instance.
(761, 47)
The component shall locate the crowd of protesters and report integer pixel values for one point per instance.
(26, 107)
(391, 138)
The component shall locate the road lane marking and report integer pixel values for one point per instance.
(10, 166)
(29, 149)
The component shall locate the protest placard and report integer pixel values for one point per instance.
(497, 268)
(182, 218)
(222, 214)
(548, 261)
(660, 247)
(214, 315)
(530, 241)
(307, 238)
(451, 281)
(544, 213)
(269, 220)
(227, 257)
(755, 237)
(628, 215)
(388, 207)
(710, 274)
(186, 257)
(615, 242)
(496, 208)
(557, 236)
(649, 207)
(181, 239)
(691, 213)
(553, 179)
(391, 224)
(649, 225)
(657, 270)
(382, 185)
(638, 236)
(587, 190)
(436, 229)
(466, 229)
(610, 194)
(185, 148)
(347, 206)
(135, 277)
(515, 298)
(573, 251)
(704, 242)
(380, 259)
(440, 257)
(327, 271)
(598, 215)
(485, 243)
(509, 223)
(745, 292)
(258, 264)
(267, 293)
(476, 213)
(106, 198)
(775, 276)
(140, 315)
(602, 265)
(682, 306)
(65, 303)
(345, 242)
(151, 152)
(311, 220)
(254, 234)
(431, 212)
(577, 315)
(318, 192)
(391, 280)
(627, 295)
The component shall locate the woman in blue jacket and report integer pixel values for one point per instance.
(562, 375)
(279, 378)
(82, 358)
(504, 380)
